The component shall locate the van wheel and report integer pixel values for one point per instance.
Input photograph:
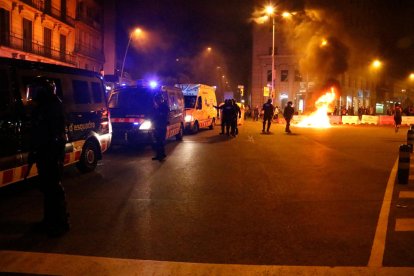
(89, 157)
(180, 134)
(213, 122)
(196, 128)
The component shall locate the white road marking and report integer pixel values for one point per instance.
(61, 264)
(404, 224)
(378, 246)
(250, 139)
(406, 194)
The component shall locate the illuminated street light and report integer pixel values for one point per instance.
(286, 14)
(136, 32)
(270, 11)
(376, 64)
(324, 42)
(411, 77)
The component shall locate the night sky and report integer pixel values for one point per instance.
(183, 29)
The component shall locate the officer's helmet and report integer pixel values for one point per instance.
(41, 89)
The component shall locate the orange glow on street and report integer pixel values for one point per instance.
(319, 118)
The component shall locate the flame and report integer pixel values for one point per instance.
(319, 118)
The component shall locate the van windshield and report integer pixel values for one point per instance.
(190, 101)
(138, 100)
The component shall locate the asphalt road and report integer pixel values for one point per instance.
(308, 199)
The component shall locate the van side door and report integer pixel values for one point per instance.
(86, 107)
(10, 155)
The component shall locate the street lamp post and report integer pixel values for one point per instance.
(270, 10)
(376, 66)
(137, 31)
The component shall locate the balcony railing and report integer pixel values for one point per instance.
(88, 21)
(50, 10)
(88, 51)
(33, 47)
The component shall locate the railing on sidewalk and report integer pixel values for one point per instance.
(364, 119)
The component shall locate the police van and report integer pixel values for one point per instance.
(82, 93)
(131, 111)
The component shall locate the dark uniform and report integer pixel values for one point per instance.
(397, 117)
(288, 114)
(236, 114)
(229, 113)
(48, 139)
(268, 111)
(160, 119)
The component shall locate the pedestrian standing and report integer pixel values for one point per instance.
(268, 111)
(288, 114)
(160, 119)
(47, 151)
(276, 115)
(397, 116)
(256, 113)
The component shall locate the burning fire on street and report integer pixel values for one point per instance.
(319, 118)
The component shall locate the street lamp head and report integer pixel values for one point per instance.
(376, 64)
(137, 31)
(286, 15)
(269, 10)
(411, 77)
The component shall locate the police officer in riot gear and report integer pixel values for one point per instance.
(288, 114)
(160, 119)
(48, 139)
(268, 111)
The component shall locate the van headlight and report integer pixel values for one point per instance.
(146, 125)
(188, 118)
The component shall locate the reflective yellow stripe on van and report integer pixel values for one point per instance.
(17, 174)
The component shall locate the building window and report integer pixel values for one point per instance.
(48, 6)
(284, 74)
(298, 76)
(27, 35)
(62, 43)
(96, 92)
(4, 27)
(269, 75)
(47, 41)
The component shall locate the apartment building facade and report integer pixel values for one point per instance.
(65, 32)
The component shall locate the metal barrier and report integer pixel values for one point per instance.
(410, 137)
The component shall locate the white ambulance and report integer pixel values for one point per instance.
(199, 101)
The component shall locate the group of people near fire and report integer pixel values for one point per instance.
(231, 112)
(270, 112)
